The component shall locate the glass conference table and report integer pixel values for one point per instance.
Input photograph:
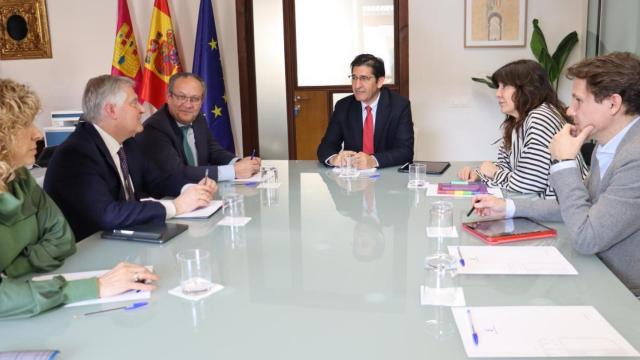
(326, 269)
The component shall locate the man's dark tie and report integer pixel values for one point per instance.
(124, 167)
(185, 145)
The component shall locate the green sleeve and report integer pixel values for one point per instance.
(21, 299)
(55, 238)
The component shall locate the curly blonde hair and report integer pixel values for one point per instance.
(18, 107)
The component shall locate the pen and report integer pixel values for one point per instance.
(460, 256)
(474, 334)
(253, 153)
(126, 308)
(472, 208)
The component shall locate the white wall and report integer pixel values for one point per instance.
(455, 118)
(82, 38)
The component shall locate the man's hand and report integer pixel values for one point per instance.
(193, 197)
(467, 174)
(247, 167)
(338, 159)
(365, 161)
(210, 184)
(488, 169)
(566, 143)
(488, 205)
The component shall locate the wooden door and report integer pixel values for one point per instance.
(311, 110)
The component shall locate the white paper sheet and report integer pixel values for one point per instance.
(453, 296)
(513, 260)
(177, 291)
(128, 296)
(265, 185)
(238, 221)
(202, 213)
(539, 331)
(432, 190)
(255, 178)
(450, 232)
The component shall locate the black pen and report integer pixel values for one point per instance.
(472, 208)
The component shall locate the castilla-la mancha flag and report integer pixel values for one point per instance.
(161, 60)
(126, 61)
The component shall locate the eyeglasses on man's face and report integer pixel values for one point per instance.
(183, 98)
(362, 78)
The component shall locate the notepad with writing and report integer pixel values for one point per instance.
(202, 213)
(126, 296)
(538, 331)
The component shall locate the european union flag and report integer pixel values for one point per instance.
(206, 63)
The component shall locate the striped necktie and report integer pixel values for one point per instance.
(124, 167)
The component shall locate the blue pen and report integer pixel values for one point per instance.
(251, 184)
(460, 256)
(253, 154)
(125, 308)
(474, 334)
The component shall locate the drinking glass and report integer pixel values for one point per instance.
(417, 175)
(195, 271)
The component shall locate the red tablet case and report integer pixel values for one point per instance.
(505, 238)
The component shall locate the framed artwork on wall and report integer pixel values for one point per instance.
(495, 23)
(24, 30)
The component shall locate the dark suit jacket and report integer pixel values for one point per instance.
(83, 180)
(393, 133)
(161, 142)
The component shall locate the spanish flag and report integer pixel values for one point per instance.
(126, 61)
(162, 59)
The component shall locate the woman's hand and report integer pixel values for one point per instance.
(125, 277)
(488, 169)
(467, 173)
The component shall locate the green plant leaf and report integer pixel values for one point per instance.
(539, 47)
(563, 51)
(486, 81)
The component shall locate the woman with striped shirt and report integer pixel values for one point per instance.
(533, 116)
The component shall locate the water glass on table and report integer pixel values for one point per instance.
(440, 225)
(417, 175)
(269, 175)
(195, 271)
(349, 166)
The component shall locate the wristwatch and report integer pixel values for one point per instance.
(555, 161)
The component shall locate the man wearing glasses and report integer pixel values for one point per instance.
(177, 139)
(373, 125)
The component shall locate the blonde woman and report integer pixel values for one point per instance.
(34, 235)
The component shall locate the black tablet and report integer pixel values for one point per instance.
(151, 233)
(433, 167)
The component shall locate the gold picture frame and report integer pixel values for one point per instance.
(495, 23)
(24, 30)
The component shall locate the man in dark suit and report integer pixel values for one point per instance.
(98, 176)
(374, 123)
(177, 139)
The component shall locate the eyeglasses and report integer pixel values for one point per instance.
(183, 98)
(362, 78)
